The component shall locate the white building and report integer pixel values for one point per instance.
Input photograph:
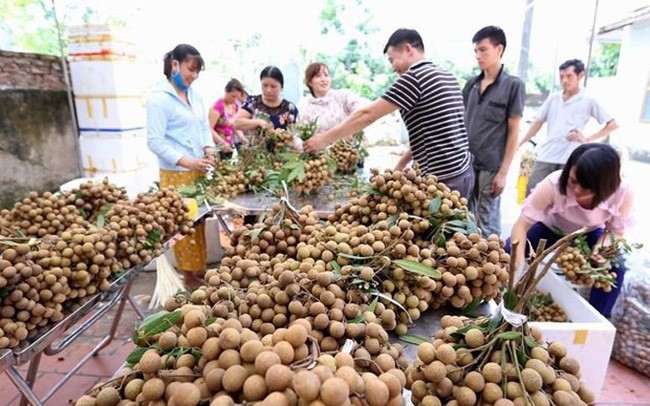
(627, 94)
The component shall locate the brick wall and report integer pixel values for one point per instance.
(20, 70)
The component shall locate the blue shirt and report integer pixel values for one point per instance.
(175, 129)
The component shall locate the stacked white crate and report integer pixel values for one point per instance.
(109, 94)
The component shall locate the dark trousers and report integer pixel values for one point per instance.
(598, 298)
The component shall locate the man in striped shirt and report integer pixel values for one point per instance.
(431, 104)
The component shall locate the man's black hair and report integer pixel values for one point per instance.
(578, 66)
(405, 36)
(496, 35)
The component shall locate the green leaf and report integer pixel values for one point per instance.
(530, 342)
(510, 300)
(135, 355)
(336, 266)
(256, 232)
(155, 324)
(470, 308)
(4, 293)
(101, 220)
(413, 339)
(435, 204)
(458, 223)
(495, 322)
(348, 256)
(297, 173)
(154, 236)
(417, 268)
(509, 335)
(373, 305)
(521, 355)
(393, 301)
(356, 320)
(188, 190)
(392, 219)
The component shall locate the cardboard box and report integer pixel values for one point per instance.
(589, 336)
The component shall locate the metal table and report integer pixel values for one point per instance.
(53, 339)
(255, 204)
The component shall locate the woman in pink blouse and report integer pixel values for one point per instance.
(587, 193)
(222, 117)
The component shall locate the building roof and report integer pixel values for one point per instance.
(640, 14)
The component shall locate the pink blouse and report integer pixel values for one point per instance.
(547, 205)
(224, 124)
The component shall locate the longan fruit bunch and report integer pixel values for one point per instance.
(346, 156)
(38, 215)
(317, 175)
(93, 197)
(465, 363)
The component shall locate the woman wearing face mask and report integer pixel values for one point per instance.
(178, 133)
(588, 192)
(269, 109)
(326, 105)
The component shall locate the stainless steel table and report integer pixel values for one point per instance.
(54, 338)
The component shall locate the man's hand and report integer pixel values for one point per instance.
(577, 136)
(498, 184)
(314, 144)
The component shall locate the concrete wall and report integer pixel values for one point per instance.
(38, 145)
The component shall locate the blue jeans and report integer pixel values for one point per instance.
(598, 298)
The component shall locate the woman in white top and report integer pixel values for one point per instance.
(326, 105)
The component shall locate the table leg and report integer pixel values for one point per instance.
(31, 376)
(23, 387)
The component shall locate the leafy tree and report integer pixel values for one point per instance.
(605, 60)
(31, 26)
(357, 66)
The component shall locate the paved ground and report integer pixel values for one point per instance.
(623, 386)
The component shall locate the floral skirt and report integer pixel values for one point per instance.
(189, 251)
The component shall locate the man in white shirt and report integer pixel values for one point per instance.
(566, 113)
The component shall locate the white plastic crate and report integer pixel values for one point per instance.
(589, 336)
(121, 152)
(108, 78)
(110, 112)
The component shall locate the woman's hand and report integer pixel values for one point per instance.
(200, 165)
(263, 124)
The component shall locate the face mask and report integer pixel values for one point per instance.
(178, 80)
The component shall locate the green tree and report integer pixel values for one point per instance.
(357, 65)
(605, 60)
(31, 26)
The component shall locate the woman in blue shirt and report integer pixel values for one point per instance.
(179, 134)
(177, 122)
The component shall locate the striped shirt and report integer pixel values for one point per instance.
(431, 104)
